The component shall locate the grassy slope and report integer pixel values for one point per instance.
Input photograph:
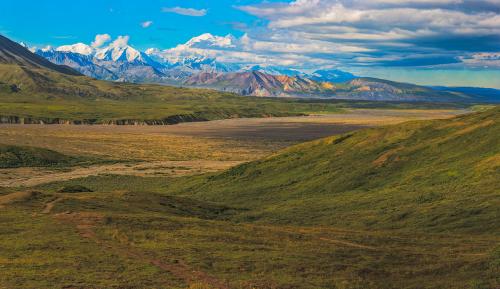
(22, 156)
(439, 176)
(37, 252)
(107, 239)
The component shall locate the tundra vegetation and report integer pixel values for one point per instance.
(412, 205)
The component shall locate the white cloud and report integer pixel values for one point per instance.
(120, 42)
(247, 51)
(483, 60)
(186, 11)
(298, 15)
(296, 43)
(360, 31)
(146, 24)
(100, 40)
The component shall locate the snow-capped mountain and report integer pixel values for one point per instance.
(80, 62)
(332, 75)
(207, 53)
(79, 48)
(196, 56)
(117, 61)
(122, 54)
(273, 70)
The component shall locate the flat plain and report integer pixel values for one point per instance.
(187, 148)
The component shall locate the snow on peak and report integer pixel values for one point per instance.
(79, 48)
(133, 54)
(152, 51)
(119, 50)
(200, 38)
(47, 48)
(202, 48)
(114, 53)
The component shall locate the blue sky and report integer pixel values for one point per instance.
(449, 42)
(56, 22)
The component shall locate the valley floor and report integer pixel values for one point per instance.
(187, 148)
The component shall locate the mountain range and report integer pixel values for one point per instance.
(121, 62)
(125, 63)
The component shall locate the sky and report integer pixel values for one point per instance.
(430, 42)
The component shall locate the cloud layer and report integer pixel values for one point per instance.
(382, 32)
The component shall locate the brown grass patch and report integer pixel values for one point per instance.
(10, 198)
(471, 128)
(383, 158)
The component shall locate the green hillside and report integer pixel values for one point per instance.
(437, 176)
(124, 239)
(19, 156)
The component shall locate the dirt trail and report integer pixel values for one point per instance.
(50, 205)
(85, 224)
(312, 233)
(347, 243)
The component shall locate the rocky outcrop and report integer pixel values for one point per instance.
(14, 53)
(256, 83)
(174, 119)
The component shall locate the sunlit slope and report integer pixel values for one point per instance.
(44, 82)
(430, 175)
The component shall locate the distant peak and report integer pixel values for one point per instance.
(47, 48)
(118, 53)
(80, 48)
(152, 51)
(204, 36)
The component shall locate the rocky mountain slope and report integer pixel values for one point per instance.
(385, 90)
(80, 62)
(259, 84)
(16, 54)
